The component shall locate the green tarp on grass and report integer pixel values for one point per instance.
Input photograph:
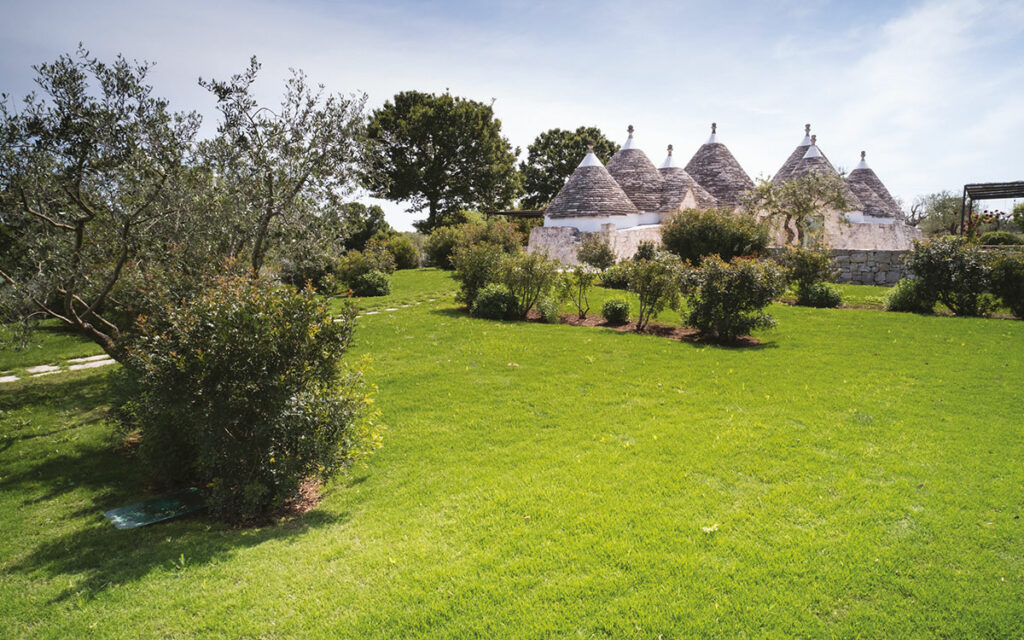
(158, 509)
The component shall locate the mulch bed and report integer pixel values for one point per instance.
(680, 334)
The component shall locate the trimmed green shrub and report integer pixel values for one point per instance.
(476, 266)
(494, 302)
(806, 268)
(615, 277)
(371, 284)
(357, 263)
(595, 252)
(615, 311)
(656, 284)
(1007, 282)
(404, 251)
(530, 277)
(240, 392)
(727, 300)
(819, 295)
(315, 269)
(954, 272)
(441, 245)
(1000, 238)
(909, 295)
(497, 232)
(645, 251)
(548, 306)
(693, 234)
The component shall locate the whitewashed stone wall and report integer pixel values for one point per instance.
(561, 243)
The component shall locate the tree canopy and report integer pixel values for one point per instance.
(553, 156)
(440, 153)
(799, 203)
(938, 213)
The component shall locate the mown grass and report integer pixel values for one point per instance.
(860, 474)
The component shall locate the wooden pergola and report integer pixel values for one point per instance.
(987, 191)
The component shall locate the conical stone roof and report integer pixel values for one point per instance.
(590, 192)
(787, 167)
(677, 183)
(863, 180)
(715, 169)
(815, 160)
(635, 173)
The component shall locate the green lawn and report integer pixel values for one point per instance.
(861, 474)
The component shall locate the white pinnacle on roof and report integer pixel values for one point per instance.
(669, 160)
(714, 136)
(807, 136)
(591, 160)
(863, 164)
(629, 139)
(812, 151)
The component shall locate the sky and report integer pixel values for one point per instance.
(932, 90)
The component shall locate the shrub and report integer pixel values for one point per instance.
(317, 269)
(656, 284)
(693, 234)
(357, 263)
(575, 286)
(371, 284)
(616, 311)
(404, 251)
(727, 300)
(441, 245)
(494, 302)
(807, 267)
(476, 266)
(953, 272)
(1000, 238)
(1007, 282)
(645, 251)
(819, 295)
(495, 231)
(529, 276)
(548, 306)
(594, 251)
(239, 393)
(615, 277)
(910, 295)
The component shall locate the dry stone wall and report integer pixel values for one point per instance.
(869, 267)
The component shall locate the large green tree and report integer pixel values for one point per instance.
(93, 170)
(440, 153)
(938, 213)
(303, 152)
(553, 156)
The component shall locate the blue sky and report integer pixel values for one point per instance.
(933, 90)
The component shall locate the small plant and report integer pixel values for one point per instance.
(693, 234)
(656, 284)
(645, 251)
(575, 286)
(820, 295)
(494, 302)
(616, 277)
(1007, 282)
(371, 284)
(476, 266)
(1000, 238)
(549, 307)
(530, 277)
(953, 272)
(594, 251)
(616, 311)
(910, 295)
(727, 300)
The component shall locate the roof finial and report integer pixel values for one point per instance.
(814, 140)
(807, 129)
(629, 129)
(669, 149)
(714, 127)
(590, 146)
(862, 154)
